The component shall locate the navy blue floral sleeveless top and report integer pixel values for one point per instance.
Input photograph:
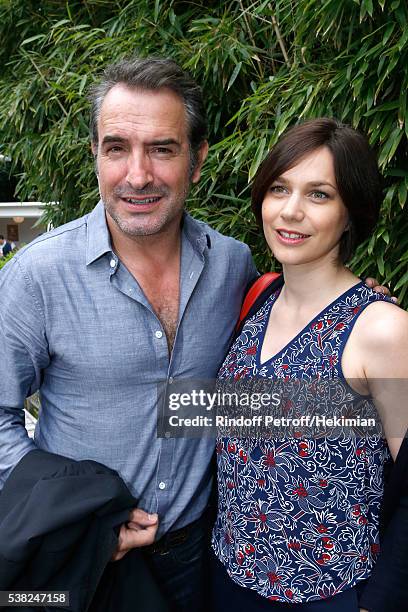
(298, 518)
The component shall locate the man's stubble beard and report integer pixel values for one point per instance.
(174, 209)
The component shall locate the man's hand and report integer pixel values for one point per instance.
(140, 530)
(373, 284)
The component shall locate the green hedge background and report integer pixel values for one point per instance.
(263, 66)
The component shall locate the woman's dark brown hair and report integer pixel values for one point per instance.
(355, 167)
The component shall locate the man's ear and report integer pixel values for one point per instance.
(201, 157)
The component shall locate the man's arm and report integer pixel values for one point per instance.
(386, 370)
(386, 589)
(25, 355)
(24, 351)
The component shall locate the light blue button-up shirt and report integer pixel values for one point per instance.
(75, 324)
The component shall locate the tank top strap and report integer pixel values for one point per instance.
(341, 316)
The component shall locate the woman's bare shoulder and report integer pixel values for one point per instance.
(384, 319)
(382, 334)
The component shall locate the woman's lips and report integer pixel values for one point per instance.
(291, 237)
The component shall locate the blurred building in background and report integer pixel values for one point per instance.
(19, 221)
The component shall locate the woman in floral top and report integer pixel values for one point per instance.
(298, 515)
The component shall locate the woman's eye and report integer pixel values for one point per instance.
(319, 195)
(277, 189)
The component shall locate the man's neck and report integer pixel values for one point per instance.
(156, 249)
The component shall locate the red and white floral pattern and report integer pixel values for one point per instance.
(298, 518)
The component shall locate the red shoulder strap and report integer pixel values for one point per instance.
(255, 291)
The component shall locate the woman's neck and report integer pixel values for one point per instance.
(315, 284)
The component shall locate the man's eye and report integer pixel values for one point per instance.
(115, 149)
(162, 150)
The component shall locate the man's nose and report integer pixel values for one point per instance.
(139, 171)
(292, 208)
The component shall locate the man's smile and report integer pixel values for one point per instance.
(142, 200)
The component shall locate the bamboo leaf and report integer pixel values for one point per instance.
(33, 38)
(366, 7)
(234, 75)
(402, 281)
(402, 193)
(388, 31)
(257, 159)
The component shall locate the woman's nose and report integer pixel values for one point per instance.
(293, 207)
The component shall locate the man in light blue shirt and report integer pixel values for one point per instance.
(95, 313)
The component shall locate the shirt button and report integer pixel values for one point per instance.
(112, 263)
(158, 334)
(171, 380)
(167, 435)
(162, 485)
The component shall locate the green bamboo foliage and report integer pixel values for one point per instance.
(4, 260)
(263, 66)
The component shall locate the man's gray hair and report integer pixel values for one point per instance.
(152, 74)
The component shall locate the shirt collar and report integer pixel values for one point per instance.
(196, 234)
(98, 237)
(99, 242)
